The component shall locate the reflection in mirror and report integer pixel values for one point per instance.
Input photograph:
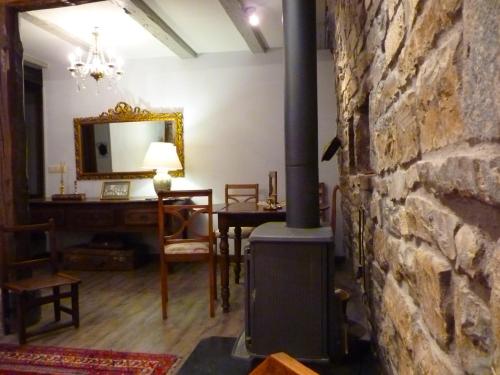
(113, 145)
(120, 147)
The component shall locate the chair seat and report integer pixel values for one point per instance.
(187, 248)
(39, 282)
(245, 232)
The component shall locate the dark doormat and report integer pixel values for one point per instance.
(212, 356)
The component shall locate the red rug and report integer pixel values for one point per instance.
(68, 361)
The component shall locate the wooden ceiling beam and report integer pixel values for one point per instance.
(154, 24)
(55, 30)
(27, 5)
(252, 35)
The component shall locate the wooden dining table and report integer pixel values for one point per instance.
(238, 215)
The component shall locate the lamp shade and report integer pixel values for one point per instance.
(162, 156)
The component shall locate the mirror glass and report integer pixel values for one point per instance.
(113, 145)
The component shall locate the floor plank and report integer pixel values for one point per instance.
(122, 311)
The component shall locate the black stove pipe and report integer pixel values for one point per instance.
(301, 114)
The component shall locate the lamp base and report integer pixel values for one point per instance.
(162, 182)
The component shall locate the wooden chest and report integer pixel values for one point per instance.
(86, 258)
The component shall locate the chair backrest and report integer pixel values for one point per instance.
(191, 219)
(23, 233)
(235, 193)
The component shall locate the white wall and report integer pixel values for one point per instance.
(233, 117)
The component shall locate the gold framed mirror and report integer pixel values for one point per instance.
(113, 144)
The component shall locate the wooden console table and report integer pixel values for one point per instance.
(93, 214)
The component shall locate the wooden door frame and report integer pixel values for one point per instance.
(13, 180)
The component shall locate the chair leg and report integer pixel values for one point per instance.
(21, 310)
(211, 280)
(237, 254)
(6, 312)
(57, 304)
(75, 307)
(214, 267)
(164, 288)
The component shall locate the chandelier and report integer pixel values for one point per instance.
(98, 64)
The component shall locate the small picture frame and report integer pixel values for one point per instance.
(115, 190)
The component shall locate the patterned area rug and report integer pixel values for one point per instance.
(67, 361)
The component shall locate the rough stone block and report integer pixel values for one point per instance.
(383, 145)
(380, 185)
(395, 33)
(474, 338)
(473, 212)
(396, 134)
(390, 6)
(377, 68)
(412, 177)
(387, 251)
(388, 342)
(481, 69)
(410, 11)
(375, 212)
(470, 249)
(405, 363)
(433, 285)
(396, 185)
(407, 129)
(376, 34)
(436, 16)
(428, 357)
(400, 309)
(378, 277)
(371, 12)
(429, 220)
(394, 217)
(438, 89)
(404, 264)
(495, 304)
(469, 171)
(384, 94)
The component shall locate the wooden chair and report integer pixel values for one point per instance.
(239, 193)
(282, 364)
(26, 293)
(184, 221)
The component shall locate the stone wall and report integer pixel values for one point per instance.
(418, 88)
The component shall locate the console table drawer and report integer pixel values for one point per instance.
(92, 218)
(140, 217)
(96, 215)
(43, 215)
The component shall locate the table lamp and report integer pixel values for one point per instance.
(163, 157)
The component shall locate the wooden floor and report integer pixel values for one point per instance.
(121, 311)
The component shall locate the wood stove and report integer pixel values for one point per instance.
(290, 290)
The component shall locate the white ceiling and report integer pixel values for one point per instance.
(203, 24)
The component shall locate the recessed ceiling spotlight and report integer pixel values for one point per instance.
(252, 16)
